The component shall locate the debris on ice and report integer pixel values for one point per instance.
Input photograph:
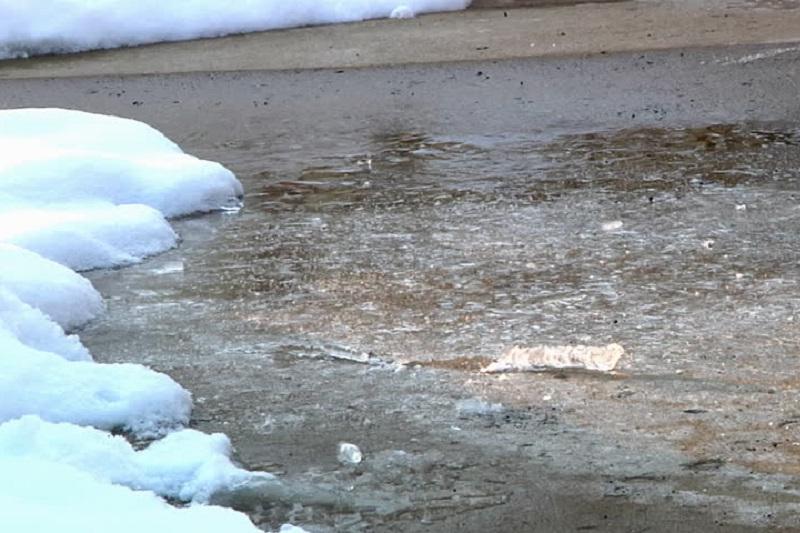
(349, 453)
(537, 358)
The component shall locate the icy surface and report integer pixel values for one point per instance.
(26, 28)
(602, 358)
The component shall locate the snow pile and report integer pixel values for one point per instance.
(602, 358)
(64, 296)
(49, 155)
(185, 465)
(29, 28)
(80, 191)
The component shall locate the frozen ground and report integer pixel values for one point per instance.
(28, 28)
(661, 215)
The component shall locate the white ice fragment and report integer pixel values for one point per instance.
(402, 12)
(708, 244)
(349, 453)
(612, 225)
(602, 358)
(476, 406)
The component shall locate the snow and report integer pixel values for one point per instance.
(90, 235)
(58, 292)
(49, 155)
(42, 495)
(127, 396)
(349, 453)
(186, 465)
(27, 28)
(81, 191)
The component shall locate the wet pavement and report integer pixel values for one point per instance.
(404, 226)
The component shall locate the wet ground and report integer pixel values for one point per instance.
(435, 216)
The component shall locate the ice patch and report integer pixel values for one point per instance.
(476, 406)
(27, 27)
(537, 358)
(612, 225)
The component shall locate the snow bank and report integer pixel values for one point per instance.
(602, 358)
(81, 191)
(32, 328)
(88, 236)
(58, 292)
(39, 494)
(28, 27)
(186, 465)
(126, 396)
(49, 155)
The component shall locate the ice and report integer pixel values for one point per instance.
(29, 28)
(476, 406)
(601, 358)
(349, 453)
(289, 528)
